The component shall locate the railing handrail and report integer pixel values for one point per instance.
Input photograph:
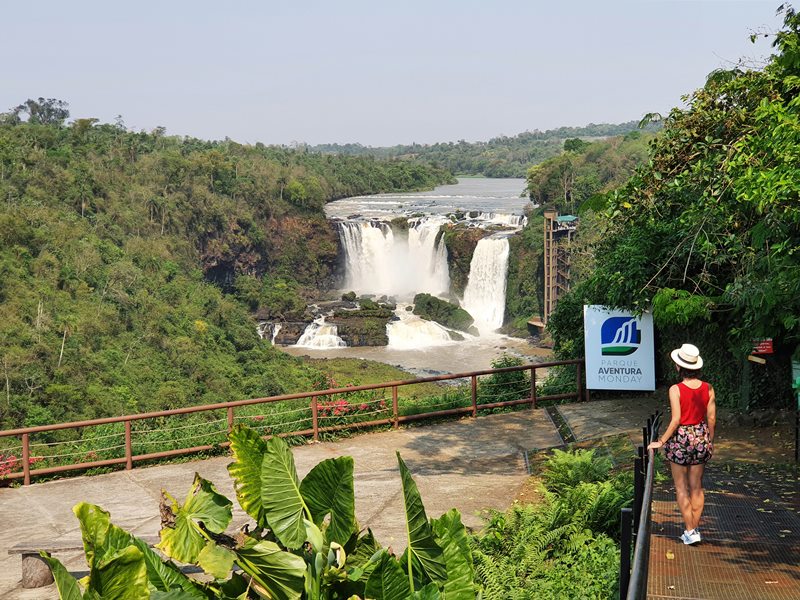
(637, 586)
(394, 419)
(282, 397)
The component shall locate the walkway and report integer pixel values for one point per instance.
(475, 465)
(751, 538)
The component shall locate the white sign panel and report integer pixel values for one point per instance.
(619, 350)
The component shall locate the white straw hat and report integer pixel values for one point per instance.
(688, 357)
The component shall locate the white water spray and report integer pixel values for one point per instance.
(485, 294)
(379, 261)
(412, 331)
(320, 334)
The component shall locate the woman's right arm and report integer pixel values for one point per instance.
(711, 412)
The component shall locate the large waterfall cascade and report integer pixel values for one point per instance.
(485, 294)
(379, 260)
(320, 334)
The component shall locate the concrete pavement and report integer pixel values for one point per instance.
(474, 465)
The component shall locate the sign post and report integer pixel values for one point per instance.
(619, 350)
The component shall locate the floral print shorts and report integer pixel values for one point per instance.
(689, 445)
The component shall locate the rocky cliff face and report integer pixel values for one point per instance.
(460, 243)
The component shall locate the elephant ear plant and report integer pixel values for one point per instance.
(305, 542)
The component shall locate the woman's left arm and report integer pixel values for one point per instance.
(675, 421)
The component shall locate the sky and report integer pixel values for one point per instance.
(374, 72)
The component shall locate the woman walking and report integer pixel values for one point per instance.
(689, 439)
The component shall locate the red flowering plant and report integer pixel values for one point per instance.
(9, 463)
(347, 407)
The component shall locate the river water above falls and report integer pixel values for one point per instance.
(394, 246)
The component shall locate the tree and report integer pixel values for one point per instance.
(576, 145)
(44, 111)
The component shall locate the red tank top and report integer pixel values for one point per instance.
(693, 403)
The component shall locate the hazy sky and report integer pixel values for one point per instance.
(372, 71)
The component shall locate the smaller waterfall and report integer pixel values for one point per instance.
(485, 294)
(275, 329)
(320, 334)
(517, 221)
(412, 332)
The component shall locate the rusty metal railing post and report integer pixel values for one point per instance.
(230, 419)
(474, 395)
(128, 447)
(579, 382)
(395, 407)
(625, 539)
(26, 459)
(533, 387)
(638, 487)
(315, 418)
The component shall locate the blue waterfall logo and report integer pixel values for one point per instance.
(619, 336)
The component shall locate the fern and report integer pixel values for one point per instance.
(560, 548)
(565, 470)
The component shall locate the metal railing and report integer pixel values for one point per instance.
(636, 523)
(327, 410)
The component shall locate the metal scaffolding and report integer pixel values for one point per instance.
(558, 232)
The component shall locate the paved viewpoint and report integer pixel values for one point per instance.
(473, 464)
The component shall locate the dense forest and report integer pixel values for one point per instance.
(707, 233)
(130, 262)
(499, 157)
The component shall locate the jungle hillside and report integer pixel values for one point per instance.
(131, 262)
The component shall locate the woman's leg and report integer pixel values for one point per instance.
(680, 475)
(696, 494)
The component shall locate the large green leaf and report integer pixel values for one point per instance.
(280, 495)
(248, 452)
(166, 577)
(452, 536)
(215, 560)
(67, 585)
(387, 580)
(280, 573)
(101, 537)
(429, 592)
(121, 576)
(182, 536)
(171, 595)
(425, 558)
(328, 488)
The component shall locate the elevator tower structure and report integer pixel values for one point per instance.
(558, 233)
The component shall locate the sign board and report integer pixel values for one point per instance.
(619, 350)
(762, 346)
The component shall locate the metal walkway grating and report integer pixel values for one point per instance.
(751, 532)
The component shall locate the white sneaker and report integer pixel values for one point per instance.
(690, 537)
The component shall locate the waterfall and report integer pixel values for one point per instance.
(320, 334)
(275, 329)
(485, 295)
(412, 331)
(380, 261)
(510, 220)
